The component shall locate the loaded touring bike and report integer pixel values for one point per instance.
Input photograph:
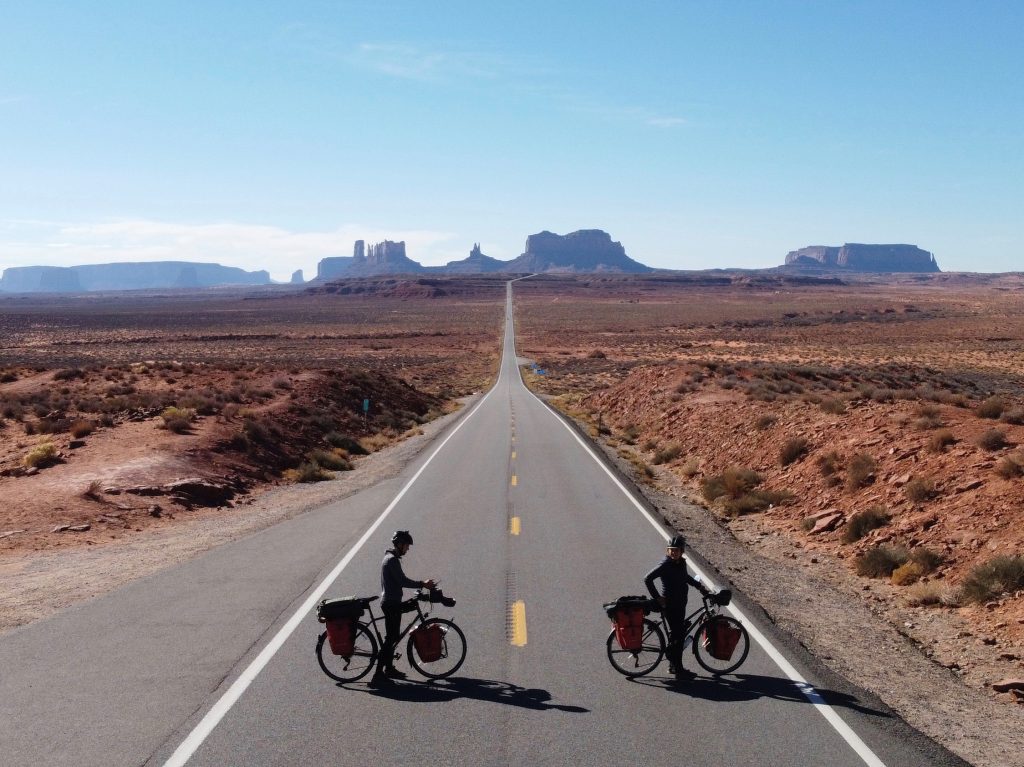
(348, 650)
(637, 644)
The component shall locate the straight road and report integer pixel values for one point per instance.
(212, 662)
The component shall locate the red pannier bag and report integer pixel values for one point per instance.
(721, 638)
(341, 634)
(629, 627)
(428, 641)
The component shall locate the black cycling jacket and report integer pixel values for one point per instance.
(674, 582)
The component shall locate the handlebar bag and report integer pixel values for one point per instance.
(721, 638)
(428, 641)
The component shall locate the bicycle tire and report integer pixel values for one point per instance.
(635, 663)
(453, 651)
(356, 666)
(712, 664)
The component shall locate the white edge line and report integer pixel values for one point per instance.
(806, 688)
(202, 730)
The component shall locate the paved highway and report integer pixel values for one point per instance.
(212, 662)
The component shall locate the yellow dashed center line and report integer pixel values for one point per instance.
(514, 526)
(519, 623)
(515, 480)
(513, 455)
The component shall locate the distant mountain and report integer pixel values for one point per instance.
(125, 276)
(588, 250)
(858, 257)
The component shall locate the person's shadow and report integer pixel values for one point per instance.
(741, 687)
(489, 690)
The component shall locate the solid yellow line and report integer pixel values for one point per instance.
(514, 526)
(515, 481)
(519, 623)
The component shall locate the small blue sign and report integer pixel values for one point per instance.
(541, 372)
(366, 406)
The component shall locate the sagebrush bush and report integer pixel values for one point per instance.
(920, 489)
(764, 422)
(833, 405)
(690, 468)
(41, 456)
(1011, 466)
(907, 573)
(860, 471)
(929, 559)
(925, 593)
(330, 461)
(81, 429)
(178, 419)
(940, 440)
(881, 561)
(667, 454)
(993, 439)
(712, 487)
(1014, 416)
(863, 522)
(830, 465)
(597, 354)
(738, 480)
(1000, 575)
(349, 445)
(990, 408)
(793, 449)
(756, 501)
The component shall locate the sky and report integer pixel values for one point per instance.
(698, 134)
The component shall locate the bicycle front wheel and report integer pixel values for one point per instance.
(453, 650)
(353, 667)
(711, 654)
(634, 663)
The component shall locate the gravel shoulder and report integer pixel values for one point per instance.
(824, 609)
(37, 585)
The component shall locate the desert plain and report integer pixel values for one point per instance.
(866, 432)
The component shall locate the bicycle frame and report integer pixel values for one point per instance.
(708, 609)
(421, 616)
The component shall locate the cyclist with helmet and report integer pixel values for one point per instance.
(393, 581)
(675, 582)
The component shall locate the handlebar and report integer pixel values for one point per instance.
(434, 596)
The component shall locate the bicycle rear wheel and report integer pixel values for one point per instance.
(634, 663)
(453, 651)
(702, 646)
(351, 668)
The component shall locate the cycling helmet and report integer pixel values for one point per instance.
(677, 542)
(401, 536)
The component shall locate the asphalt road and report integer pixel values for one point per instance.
(212, 662)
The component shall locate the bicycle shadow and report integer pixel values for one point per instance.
(487, 690)
(744, 687)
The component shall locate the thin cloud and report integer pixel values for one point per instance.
(411, 62)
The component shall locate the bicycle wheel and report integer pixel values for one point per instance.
(702, 646)
(354, 667)
(635, 663)
(453, 651)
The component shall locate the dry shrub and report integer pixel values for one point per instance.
(349, 445)
(94, 491)
(81, 429)
(833, 405)
(863, 522)
(1000, 575)
(940, 440)
(881, 561)
(667, 454)
(178, 419)
(920, 489)
(756, 501)
(925, 593)
(764, 422)
(690, 468)
(927, 410)
(69, 374)
(1014, 416)
(793, 449)
(331, 461)
(860, 471)
(308, 472)
(993, 439)
(1011, 466)
(630, 432)
(712, 487)
(597, 354)
(738, 481)
(907, 573)
(41, 456)
(929, 559)
(927, 423)
(993, 407)
(830, 465)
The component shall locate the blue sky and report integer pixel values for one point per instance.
(700, 135)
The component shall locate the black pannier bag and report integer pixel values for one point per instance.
(338, 609)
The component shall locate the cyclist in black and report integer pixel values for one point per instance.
(675, 581)
(392, 582)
